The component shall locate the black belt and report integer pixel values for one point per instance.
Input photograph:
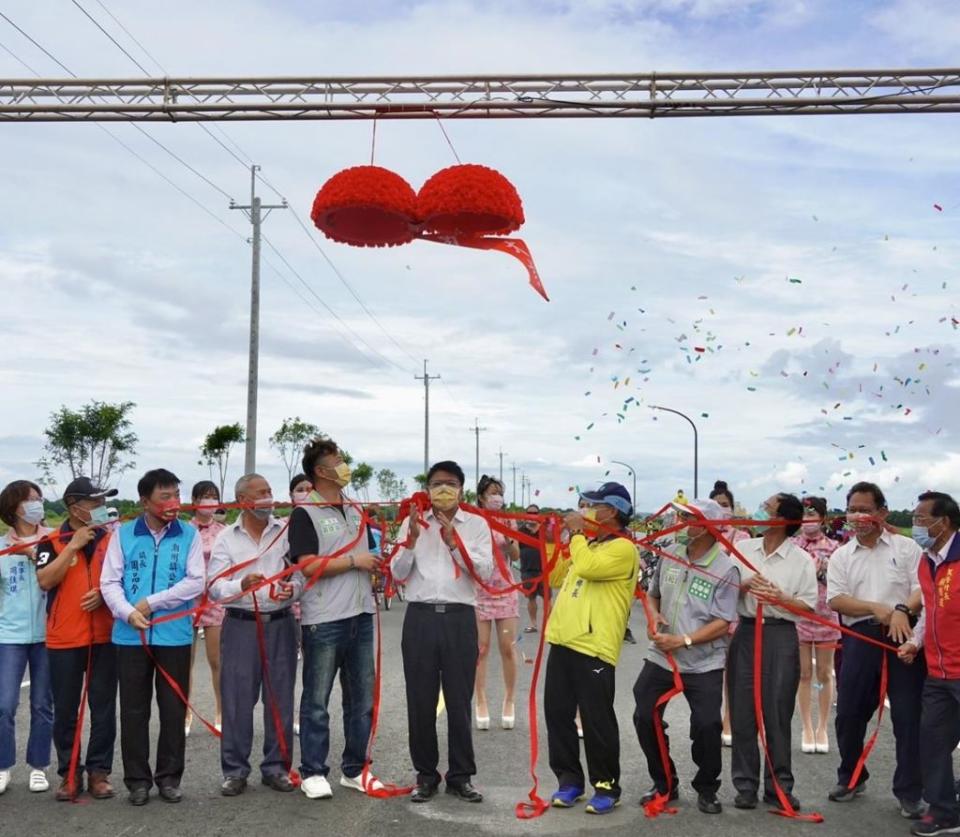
(766, 620)
(440, 607)
(250, 615)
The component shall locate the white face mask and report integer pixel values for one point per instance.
(31, 511)
(494, 502)
(300, 496)
(263, 508)
(207, 506)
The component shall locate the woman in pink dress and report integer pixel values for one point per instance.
(817, 641)
(205, 498)
(501, 612)
(723, 496)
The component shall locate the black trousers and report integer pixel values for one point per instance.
(576, 681)
(704, 694)
(857, 698)
(440, 650)
(68, 667)
(939, 736)
(138, 675)
(780, 676)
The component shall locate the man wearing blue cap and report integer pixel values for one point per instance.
(585, 633)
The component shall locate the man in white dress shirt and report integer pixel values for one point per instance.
(439, 642)
(872, 583)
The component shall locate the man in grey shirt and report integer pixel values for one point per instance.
(693, 599)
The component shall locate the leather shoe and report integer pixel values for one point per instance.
(278, 782)
(423, 793)
(709, 804)
(233, 786)
(651, 794)
(745, 801)
(771, 799)
(63, 793)
(170, 793)
(98, 783)
(139, 796)
(465, 791)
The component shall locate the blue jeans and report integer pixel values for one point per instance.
(345, 645)
(14, 660)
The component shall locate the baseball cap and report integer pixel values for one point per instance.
(710, 509)
(611, 494)
(82, 488)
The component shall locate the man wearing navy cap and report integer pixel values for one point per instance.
(585, 633)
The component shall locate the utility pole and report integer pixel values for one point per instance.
(477, 430)
(501, 465)
(257, 212)
(426, 414)
(514, 469)
(523, 489)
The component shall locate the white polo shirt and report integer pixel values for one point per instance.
(887, 573)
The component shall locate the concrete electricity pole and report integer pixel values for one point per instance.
(514, 469)
(477, 430)
(426, 414)
(257, 212)
(501, 465)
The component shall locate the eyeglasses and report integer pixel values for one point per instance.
(444, 483)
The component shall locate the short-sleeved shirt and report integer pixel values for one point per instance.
(324, 530)
(887, 573)
(788, 567)
(691, 596)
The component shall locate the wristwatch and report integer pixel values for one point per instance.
(687, 641)
(903, 609)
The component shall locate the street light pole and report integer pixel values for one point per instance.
(633, 472)
(696, 451)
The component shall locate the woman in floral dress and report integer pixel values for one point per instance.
(817, 641)
(205, 498)
(497, 612)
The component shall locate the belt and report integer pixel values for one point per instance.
(250, 616)
(766, 620)
(440, 607)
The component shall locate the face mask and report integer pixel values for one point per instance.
(262, 509)
(207, 506)
(811, 530)
(494, 502)
(168, 509)
(860, 522)
(300, 496)
(683, 537)
(589, 514)
(761, 513)
(923, 537)
(32, 511)
(445, 497)
(343, 474)
(99, 516)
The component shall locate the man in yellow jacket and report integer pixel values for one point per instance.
(585, 633)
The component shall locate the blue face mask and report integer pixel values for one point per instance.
(923, 537)
(761, 513)
(99, 516)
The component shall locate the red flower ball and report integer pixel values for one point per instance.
(469, 200)
(366, 206)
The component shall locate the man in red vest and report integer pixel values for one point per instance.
(936, 520)
(78, 638)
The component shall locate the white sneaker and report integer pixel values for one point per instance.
(356, 783)
(38, 781)
(4, 780)
(316, 787)
(296, 727)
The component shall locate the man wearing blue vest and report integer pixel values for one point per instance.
(153, 570)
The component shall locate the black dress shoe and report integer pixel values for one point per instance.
(423, 793)
(465, 791)
(278, 782)
(170, 793)
(842, 793)
(651, 794)
(139, 796)
(233, 786)
(745, 800)
(709, 804)
(771, 799)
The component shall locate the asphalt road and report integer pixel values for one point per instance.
(502, 759)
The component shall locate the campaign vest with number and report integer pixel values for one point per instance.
(150, 567)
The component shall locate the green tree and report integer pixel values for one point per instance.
(215, 449)
(421, 481)
(94, 441)
(360, 479)
(391, 486)
(289, 441)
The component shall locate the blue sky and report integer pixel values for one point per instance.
(123, 290)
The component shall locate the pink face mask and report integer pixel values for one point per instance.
(494, 502)
(811, 530)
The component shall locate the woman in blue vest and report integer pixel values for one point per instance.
(153, 570)
(23, 631)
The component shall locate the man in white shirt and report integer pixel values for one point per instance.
(439, 645)
(782, 573)
(936, 520)
(872, 583)
(245, 677)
